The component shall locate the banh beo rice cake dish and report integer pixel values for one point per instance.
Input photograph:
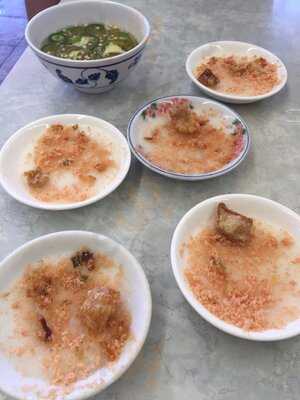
(70, 163)
(89, 42)
(182, 137)
(244, 271)
(238, 75)
(66, 317)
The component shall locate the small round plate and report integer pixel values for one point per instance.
(198, 218)
(227, 48)
(135, 290)
(224, 115)
(19, 144)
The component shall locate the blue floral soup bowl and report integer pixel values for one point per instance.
(89, 76)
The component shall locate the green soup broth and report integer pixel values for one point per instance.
(89, 42)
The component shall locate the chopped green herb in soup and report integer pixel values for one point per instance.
(88, 42)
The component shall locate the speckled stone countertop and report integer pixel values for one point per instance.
(184, 357)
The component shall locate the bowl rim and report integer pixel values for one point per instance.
(236, 98)
(108, 61)
(73, 205)
(147, 295)
(181, 176)
(263, 336)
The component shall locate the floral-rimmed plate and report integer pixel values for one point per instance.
(157, 111)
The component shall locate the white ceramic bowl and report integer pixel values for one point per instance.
(17, 147)
(134, 134)
(94, 76)
(227, 48)
(136, 292)
(198, 218)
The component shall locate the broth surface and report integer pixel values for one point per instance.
(89, 42)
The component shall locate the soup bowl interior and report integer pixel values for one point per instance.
(89, 76)
(84, 12)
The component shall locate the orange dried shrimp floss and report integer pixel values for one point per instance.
(74, 318)
(67, 153)
(248, 76)
(233, 270)
(187, 143)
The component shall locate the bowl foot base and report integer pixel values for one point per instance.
(95, 90)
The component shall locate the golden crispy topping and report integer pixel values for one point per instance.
(74, 325)
(248, 76)
(183, 119)
(208, 78)
(36, 178)
(232, 225)
(69, 153)
(100, 305)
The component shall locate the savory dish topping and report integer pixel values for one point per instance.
(89, 42)
(36, 178)
(244, 271)
(71, 318)
(179, 138)
(68, 164)
(239, 75)
(208, 79)
(233, 225)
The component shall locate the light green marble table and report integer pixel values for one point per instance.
(184, 357)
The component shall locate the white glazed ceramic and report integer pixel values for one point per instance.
(227, 48)
(135, 291)
(134, 131)
(16, 148)
(94, 76)
(198, 218)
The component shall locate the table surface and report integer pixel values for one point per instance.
(184, 357)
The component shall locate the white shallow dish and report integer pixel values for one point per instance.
(198, 218)
(227, 48)
(16, 148)
(135, 129)
(89, 76)
(137, 294)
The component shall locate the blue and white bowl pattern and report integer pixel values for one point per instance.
(89, 76)
(97, 79)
